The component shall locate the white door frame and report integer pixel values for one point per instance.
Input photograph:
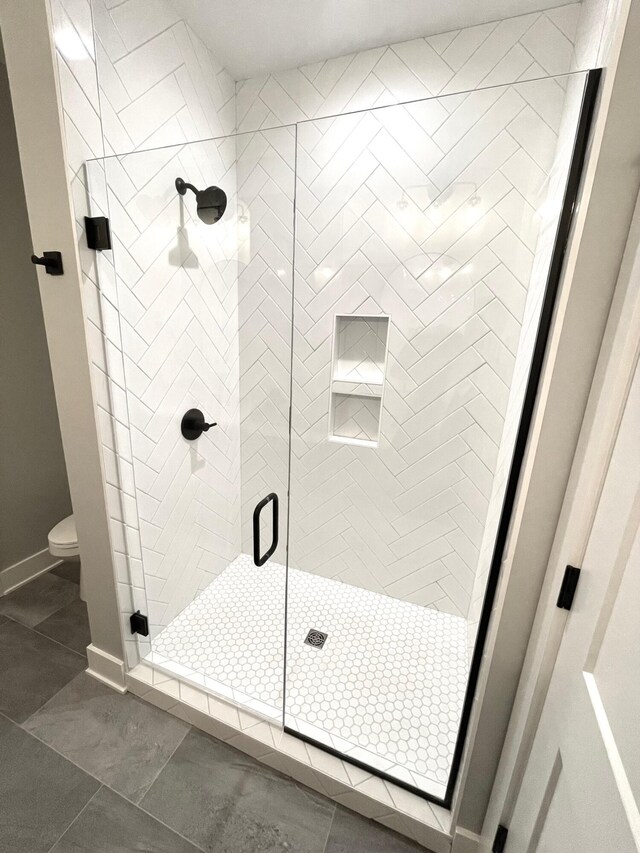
(599, 443)
(27, 35)
(616, 185)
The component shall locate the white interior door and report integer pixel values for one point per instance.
(581, 788)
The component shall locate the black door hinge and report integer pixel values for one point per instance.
(568, 588)
(98, 231)
(500, 840)
(139, 624)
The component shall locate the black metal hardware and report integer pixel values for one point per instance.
(568, 588)
(98, 231)
(257, 559)
(193, 424)
(500, 840)
(139, 624)
(51, 261)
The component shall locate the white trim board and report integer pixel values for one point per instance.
(106, 668)
(17, 575)
(266, 741)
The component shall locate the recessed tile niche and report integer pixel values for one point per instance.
(359, 362)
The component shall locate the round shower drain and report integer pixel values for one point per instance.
(316, 638)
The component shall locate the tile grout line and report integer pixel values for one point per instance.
(101, 783)
(48, 745)
(137, 805)
(65, 758)
(131, 803)
(173, 752)
(46, 637)
(333, 818)
(77, 816)
(53, 749)
(161, 822)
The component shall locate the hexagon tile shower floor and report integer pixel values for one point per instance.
(386, 688)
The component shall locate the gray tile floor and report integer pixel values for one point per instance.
(86, 769)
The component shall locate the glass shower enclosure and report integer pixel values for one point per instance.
(359, 328)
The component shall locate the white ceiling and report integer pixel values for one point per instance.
(253, 37)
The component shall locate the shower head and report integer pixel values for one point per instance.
(211, 203)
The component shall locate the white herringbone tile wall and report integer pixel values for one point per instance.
(427, 213)
(178, 301)
(135, 75)
(177, 292)
(159, 83)
(345, 166)
(552, 204)
(266, 184)
(524, 47)
(138, 77)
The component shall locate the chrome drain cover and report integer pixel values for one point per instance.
(316, 638)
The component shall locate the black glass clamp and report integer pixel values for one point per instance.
(98, 232)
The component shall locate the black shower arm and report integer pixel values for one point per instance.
(183, 186)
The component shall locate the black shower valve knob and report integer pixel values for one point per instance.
(193, 424)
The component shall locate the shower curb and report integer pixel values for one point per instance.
(380, 800)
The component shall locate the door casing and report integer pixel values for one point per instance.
(27, 36)
(596, 264)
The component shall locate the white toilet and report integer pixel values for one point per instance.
(63, 543)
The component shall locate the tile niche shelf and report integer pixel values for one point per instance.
(357, 379)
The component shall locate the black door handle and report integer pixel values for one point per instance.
(51, 261)
(257, 559)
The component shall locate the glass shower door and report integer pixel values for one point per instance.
(381, 395)
(423, 239)
(201, 310)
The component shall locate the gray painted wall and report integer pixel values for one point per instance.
(34, 494)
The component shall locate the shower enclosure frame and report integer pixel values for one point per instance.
(554, 277)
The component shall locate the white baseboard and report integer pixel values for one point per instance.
(105, 668)
(465, 841)
(26, 570)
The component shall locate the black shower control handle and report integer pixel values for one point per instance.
(193, 424)
(51, 261)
